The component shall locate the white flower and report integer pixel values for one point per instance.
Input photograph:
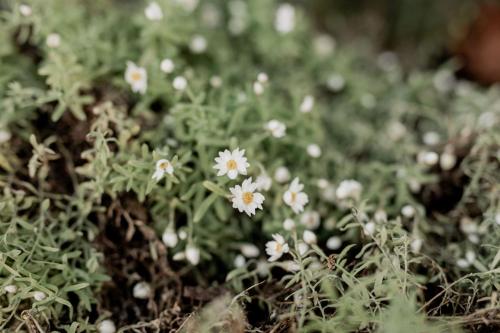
(179, 83)
(192, 255)
(369, 228)
(334, 243)
(335, 82)
(4, 136)
(294, 197)
(428, 158)
(244, 197)
(387, 61)
(39, 296)
(380, 216)
(239, 261)
(309, 237)
(291, 266)
(416, 245)
(169, 238)
(141, 290)
(262, 77)
(153, 12)
(314, 150)
(188, 5)
(444, 81)
(470, 257)
(324, 45)
(210, 15)
(408, 211)
(302, 248)
(282, 175)
(163, 166)
(323, 183)
(431, 138)
(10, 288)
(182, 234)
(349, 189)
(137, 77)
(276, 248)
(167, 65)
(310, 219)
(307, 104)
(179, 256)
(288, 224)
(106, 326)
(277, 128)
(25, 10)
(463, 263)
(249, 250)
(231, 163)
(198, 44)
(447, 160)
(216, 81)
(53, 40)
(284, 21)
(258, 88)
(262, 268)
(264, 182)
(396, 130)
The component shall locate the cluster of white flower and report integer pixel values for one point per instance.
(260, 83)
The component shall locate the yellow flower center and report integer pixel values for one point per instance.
(136, 76)
(247, 198)
(163, 165)
(278, 247)
(294, 196)
(231, 164)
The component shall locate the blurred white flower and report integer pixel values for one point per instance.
(310, 219)
(294, 197)
(276, 248)
(169, 237)
(313, 150)
(323, 183)
(309, 237)
(447, 160)
(182, 234)
(335, 82)
(277, 128)
(239, 261)
(334, 243)
(231, 163)
(444, 81)
(106, 326)
(369, 228)
(216, 81)
(137, 77)
(427, 158)
(258, 88)
(284, 21)
(39, 296)
(163, 166)
(249, 250)
(179, 83)
(244, 197)
(53, 40)
(387, 61)
(324, 45)
(10, 288)
(380, 216)
(288, 224)
(282, 175)
(470, 257)
(262, 78)
(431, 138)
(192, 255)
(264, 182)
(153, 12)
(349, 189)
(188, 5)
(4, 136)
(25, 10)
(307, 104)
(291, 266)
(141, 290)
(396, 130)
(497, 218)
(167, 65)
(416, 245)
(368, 101)
(408, 211)
(198, 44)
(210, 15)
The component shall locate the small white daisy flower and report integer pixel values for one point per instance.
(39, 296)
(231, 163)
(307, 104)
(153, 12)
(10, 288)
(314, 150)
(264, 182)
(258, 88)
(276, 248)
(284, 21)
(310, 220)
(25, 10)
(277, 128)
(216, 81)
(198, 44)
(294, 197)
(309, 237)
(282, 175)
(349, 189)
(408, 211)
(106, 326)
(167, 65)
(249, 250)
(163, 166)
(239, 261)
(244, 197)
(192, 255)
(141, 290)
(137, 77)
(262, 78)
(179, 83)
(288, 224)
(169, 238)
(53, 40)
(334, 243)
